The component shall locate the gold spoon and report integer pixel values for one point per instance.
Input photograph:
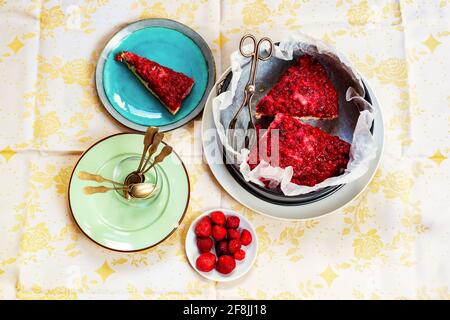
(156, 141)
(160, 157)
(134, 177)
(148, 140)
(83, 175)
(142, 190)
(138, 190)
(99, 189)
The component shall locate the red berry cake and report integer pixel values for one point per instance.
(304, 90)
(313, 154)
(169, 86)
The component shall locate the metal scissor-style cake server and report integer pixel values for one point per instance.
(250, 89)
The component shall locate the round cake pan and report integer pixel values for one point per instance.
(275, 196)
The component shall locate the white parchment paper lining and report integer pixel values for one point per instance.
(352, 106)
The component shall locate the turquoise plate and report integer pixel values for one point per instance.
(169, 43)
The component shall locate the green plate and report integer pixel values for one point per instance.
(118, 224)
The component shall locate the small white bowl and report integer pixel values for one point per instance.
(242, 267)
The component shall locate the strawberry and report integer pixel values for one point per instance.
(221, 248)
(233, 234)
(219, 233)
(218, 218)
(234, 245)
(233, 222)
(206, 262)
(246, 237)
(239, 255)
(204, 244)
(203, 228)
(225, 264)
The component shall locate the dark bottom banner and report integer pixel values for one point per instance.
(221, 309)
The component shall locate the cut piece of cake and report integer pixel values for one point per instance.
(313, 154)
(168, 86)
(304, 90)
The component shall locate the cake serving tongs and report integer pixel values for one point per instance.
(250, 88)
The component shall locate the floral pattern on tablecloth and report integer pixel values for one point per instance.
(390, 242)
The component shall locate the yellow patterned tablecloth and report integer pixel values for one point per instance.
(391, 242)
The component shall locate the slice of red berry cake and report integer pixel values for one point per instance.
(313, 154)
(304, 90)
(169, 86)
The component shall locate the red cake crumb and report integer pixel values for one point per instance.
(313, 154)
(169, 86)
(304, 90)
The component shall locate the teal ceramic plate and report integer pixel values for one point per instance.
(169, 43)
(118, 224)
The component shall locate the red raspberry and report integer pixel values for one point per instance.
(233, 222)
(239, 255)
(233, 234)
(246, 237)
(206, 262)
(203, 228)
(233, 246)
(204, 244)
(219, 233)
(222, 248)
(218, 218)
(225, 264)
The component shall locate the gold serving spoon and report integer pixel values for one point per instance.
(138, 190)
(159, 158)
(83, 175)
